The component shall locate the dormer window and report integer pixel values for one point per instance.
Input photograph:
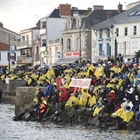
(68, 24)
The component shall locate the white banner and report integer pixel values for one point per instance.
(81, 83)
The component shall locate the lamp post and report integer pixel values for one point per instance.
(80, 46)
(9, 55)
(115, 51)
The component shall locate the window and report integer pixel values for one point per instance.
(135, 30)
(117, 32)
(23, 38)
(101, 33)
(133, 13)
(137, 13)
(108, 33)
(43, 25)
(69, 45)
(125, 31)
(37, 50)
(44, 42)
(100, 49)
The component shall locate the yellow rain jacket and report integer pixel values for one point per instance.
(99, 72)
(97, 110)
(34, 76)
(92, 101)
(72, 100)
(3, 76)
(85, 97)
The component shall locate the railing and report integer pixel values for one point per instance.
(24, 43)
(42, 31)
(24, 59)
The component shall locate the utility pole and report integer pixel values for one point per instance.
(115, 51)
(9, 55)
(80, 46)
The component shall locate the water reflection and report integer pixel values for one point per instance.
(20, 130)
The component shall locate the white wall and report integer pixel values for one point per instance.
(55, 26)
(35, 34)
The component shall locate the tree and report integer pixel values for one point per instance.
(137, 55)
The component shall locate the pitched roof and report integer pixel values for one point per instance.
(97, 16)
(33, 28)
(124, 17)
(55, 13)
(9, 30)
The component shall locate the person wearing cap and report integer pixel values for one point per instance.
(125, 112)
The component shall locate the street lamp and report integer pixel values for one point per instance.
(9, 38)
(80, 47)
(115, 50)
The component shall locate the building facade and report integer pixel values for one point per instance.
(8, 49)
(26, 45)
(125, 28)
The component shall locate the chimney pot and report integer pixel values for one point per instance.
(120, 7)
(89, 8)
(1, 24)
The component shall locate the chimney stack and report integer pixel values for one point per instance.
(98, 7)
(65, 9)
(1, 25)
(89, 8)
(109, 14)
(74, 8)
(120, 8)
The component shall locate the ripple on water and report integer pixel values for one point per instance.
(20, 130)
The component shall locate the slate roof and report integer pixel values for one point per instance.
(123, 17)
(98, 16)
(55, 13)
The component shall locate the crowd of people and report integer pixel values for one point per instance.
(114, 88)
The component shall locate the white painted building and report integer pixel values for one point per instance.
(7, 42)
(125, 28)
(26, 45)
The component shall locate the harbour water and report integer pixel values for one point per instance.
(20, 130)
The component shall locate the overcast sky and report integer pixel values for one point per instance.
(17, 15)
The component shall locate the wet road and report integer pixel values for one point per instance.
(11, 130)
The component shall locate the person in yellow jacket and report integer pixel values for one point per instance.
(125, 112)
(73, 100)
(92, 101)
(99, 71)
(97, 108)
(85, 97)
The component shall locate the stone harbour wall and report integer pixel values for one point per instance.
(24, 98)
(9, 90)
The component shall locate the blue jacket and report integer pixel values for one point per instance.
(48, 90)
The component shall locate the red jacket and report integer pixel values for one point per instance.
(64, 96)
(111, 96)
